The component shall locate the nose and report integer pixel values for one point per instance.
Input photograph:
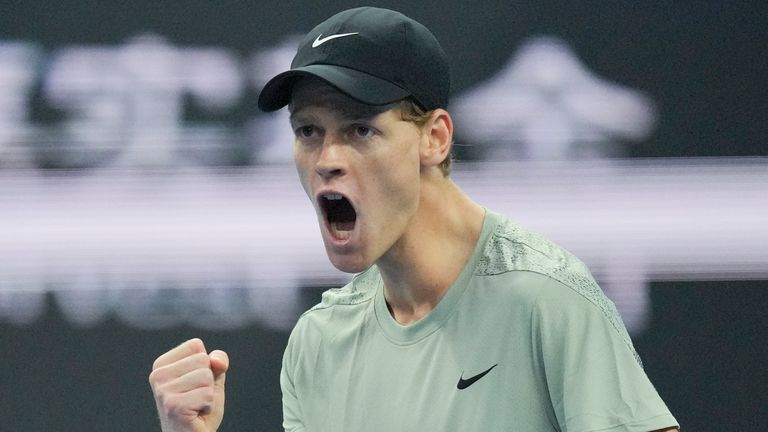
(330, 162)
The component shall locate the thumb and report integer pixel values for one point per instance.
(219, 366)
(219, 362)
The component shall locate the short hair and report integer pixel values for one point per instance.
(411, 112)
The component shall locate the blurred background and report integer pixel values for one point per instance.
(145, 200)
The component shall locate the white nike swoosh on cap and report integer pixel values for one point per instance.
(321, 40)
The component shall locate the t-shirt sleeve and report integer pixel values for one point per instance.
(292, 417)
(594, 379)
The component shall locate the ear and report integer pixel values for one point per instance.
(437, 138)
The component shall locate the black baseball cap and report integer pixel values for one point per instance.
(375, 56)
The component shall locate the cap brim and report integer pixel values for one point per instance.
(360, 86)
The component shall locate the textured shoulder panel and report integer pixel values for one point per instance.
(360, 289)
(512, 247)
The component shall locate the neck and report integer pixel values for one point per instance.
(420, 268)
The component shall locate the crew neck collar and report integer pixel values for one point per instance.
(412, 333)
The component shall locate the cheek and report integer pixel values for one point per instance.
(408, 162)
(400, 179)
(303, 168)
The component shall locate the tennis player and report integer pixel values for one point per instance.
(458, 319)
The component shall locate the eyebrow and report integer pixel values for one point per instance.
(348, 112)
(298, 117)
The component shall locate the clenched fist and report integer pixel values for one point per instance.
(188, 384)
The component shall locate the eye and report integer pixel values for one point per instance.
(305, 131)
(363, 131)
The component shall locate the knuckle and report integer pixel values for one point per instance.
(156, 364)
(170, 405)
(208, 395)
(201, 359)
(204, 376)
(162, 396)
(195, 344)
(158, 376)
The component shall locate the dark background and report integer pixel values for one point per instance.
(704, 350)
(703, 62)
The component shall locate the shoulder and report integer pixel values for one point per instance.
(360, 289)
(341, 304)
(340, 311)
(556, 283)
(512, 248)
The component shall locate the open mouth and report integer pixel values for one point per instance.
(339, 214)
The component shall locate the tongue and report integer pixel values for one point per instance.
(344, 226)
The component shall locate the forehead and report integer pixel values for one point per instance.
(313, 92)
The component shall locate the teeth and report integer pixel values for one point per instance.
(339, 233)
(333, 197)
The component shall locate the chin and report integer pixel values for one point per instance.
(348, 264)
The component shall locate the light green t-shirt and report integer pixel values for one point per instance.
(523, 341)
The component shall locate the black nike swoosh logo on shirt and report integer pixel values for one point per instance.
(464, 383)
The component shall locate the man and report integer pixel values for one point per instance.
(458, 319)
